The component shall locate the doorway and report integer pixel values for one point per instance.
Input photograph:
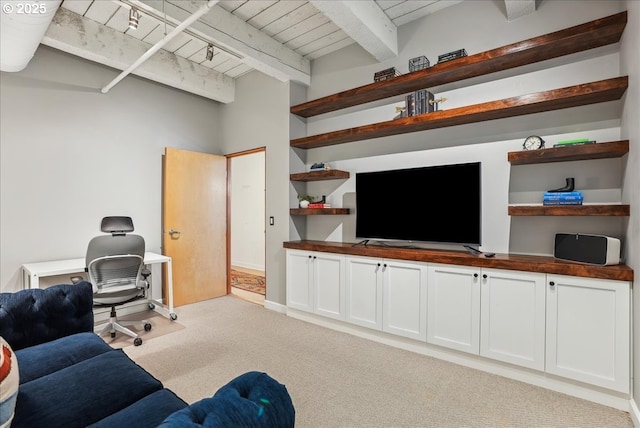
(246, 190)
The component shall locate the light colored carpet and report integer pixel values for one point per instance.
(338, 380)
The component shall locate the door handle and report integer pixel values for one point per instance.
(174, 232)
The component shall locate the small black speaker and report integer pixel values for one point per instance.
(591, 249)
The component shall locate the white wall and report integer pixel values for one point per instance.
(70, 155)
(259, 117)
(247, 192)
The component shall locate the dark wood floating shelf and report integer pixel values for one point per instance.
(613, 149)
(319, 211)
(556, 99)
(570, 210)
(600, 32)
(518, 262)
(330, 174)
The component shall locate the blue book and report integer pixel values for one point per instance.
(575, 202)
(574, 193)
(562, 198)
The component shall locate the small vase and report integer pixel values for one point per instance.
(304, 204)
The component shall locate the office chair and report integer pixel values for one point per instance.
(115, 264)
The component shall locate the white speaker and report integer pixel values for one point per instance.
(591, 249)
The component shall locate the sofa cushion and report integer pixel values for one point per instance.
(148, 412)
(9, 383)
(33, 316)
(84, 393)
(253, 399)
(41, 360)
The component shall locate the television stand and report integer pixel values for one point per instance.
(472, 250)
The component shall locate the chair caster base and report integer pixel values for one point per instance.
(137, 341)
(147, 327)
(173, 316)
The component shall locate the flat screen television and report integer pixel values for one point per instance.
(440, 204)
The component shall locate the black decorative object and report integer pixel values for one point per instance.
(452, 55)
(569, 186)
(388, 73)
(418, 63)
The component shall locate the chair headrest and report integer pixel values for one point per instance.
(116, 225)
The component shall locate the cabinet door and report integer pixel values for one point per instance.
(512, 324)
(453, 307)
(364, 291)
(299, 281)
(588, 330)
(404, 296)
(328, 284)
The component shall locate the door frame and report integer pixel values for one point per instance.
(229, 158)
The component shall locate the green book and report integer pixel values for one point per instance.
(577, 140)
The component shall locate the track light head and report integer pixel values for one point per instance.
(134, 18)
(209, 52)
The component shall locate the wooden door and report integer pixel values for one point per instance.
(195, 224)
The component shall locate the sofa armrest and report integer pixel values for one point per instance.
(33, 316)
(253, 399)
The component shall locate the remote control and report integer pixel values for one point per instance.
(489, 254)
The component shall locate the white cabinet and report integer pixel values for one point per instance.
(494, 313)
(299, 292)
(364, 291)
(315, 283)
(588, 330)
(404, 299)
(387, 295)
(512, 317)
(453, 307)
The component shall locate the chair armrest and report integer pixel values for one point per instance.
(253, 399)
(33, 316)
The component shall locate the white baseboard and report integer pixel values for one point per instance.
(277, 307)
(634, 412)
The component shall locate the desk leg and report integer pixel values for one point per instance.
(170, 287)
(29, 280)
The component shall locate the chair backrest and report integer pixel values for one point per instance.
(114, 262)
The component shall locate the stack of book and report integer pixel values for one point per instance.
(419, 102)
(576, 142)
(319, 205)
(562, 198)
(385, 74)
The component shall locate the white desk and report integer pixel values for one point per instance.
(32, 272)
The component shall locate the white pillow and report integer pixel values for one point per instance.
(9, 381)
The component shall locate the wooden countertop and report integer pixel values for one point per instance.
(518, 262)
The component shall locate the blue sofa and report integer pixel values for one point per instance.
(69, 376)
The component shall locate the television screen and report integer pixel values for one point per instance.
(430, 204)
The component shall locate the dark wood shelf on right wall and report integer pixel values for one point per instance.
(613, 149)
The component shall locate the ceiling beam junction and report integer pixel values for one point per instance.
(365, 23)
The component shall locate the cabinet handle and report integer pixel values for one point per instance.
(378, 264)
(309, 256)
(551, 283)
(475, 275)
(484, 276)
(314, 257)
